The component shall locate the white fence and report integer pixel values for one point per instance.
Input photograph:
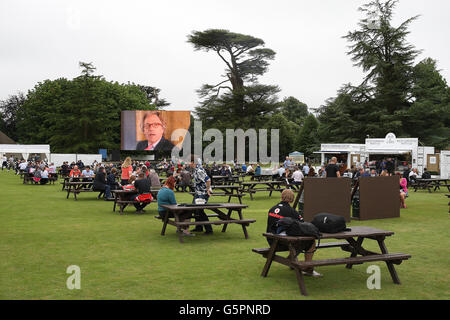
(87, 159)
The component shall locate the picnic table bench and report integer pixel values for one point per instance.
(352, 245)
(251, 187)
(175, 213)
(122, 198)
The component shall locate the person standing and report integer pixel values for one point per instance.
(202, 190)
(332, 170)
(127, 170)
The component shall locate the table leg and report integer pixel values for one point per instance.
(298, 272)
(356, 247)
(115, 201)
(227, 217)
(244, 228)
(269, 258)
(68, 191)
(389, 264)
(166, 219)
(179, 230)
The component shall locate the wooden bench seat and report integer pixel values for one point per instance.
(217, 222)
(124, 203)
(396, 258)
(322, 245)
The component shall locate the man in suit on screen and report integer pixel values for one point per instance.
(153, 127)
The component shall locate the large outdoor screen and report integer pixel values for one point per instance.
(158, 131)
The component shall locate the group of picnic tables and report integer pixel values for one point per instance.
(432, 184)
(180, 215)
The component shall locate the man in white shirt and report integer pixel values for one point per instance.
(23, 165)
(413, 175)
(87, 173)
(297, 176)
(280, 171)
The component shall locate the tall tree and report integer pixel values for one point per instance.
(153, 97)
(244, 57)
(239, 94)
(429, 116)
(294, 110)
(79, 115)
(8, 114)
(375, 107)
(384, 54)
(307, 140)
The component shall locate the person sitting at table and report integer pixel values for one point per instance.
(413, 175)
(75, 173)
(154, 179)
(384, 173)
(111, 180)
(258, 170)
(282, 210)
(278, 173)
(426, 174)
(403, 191)
(130, 185)
(144, 197)
(166, 196)
(297, 177)
(100, 184)
(87, 174)
(37, 175)
(44, 176)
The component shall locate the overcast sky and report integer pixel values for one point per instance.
(145, 42)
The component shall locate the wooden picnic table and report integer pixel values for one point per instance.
(430, 183)
(175, 212)
(262, 177)
(251, 187)
(122, 198)
(353, 244)
(222, 180)
(76, 187)
(230, 191)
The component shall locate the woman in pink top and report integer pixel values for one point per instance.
(127, 169)
(403, 192)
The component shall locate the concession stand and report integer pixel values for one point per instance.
(404, 151)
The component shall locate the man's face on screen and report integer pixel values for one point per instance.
(153, 128)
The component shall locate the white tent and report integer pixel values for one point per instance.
(25, 150)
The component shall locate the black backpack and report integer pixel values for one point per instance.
(296, 228)
(329, 223)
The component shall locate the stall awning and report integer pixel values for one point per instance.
(338, 152)
(389, 151)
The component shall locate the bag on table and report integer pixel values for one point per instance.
(129, 187)
(296, 228)
(145, 198)
(329, 223)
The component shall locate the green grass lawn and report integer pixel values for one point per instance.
(125, 257)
